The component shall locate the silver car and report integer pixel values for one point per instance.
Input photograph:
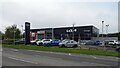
(68, 43)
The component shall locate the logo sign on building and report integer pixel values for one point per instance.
(86, 30)
(71, 30)
(41, 32)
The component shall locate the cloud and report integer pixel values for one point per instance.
(64, 13)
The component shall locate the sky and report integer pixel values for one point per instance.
(58, 13)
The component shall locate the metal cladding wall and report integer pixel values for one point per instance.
(77, 30)
(80, 32)
(84, 32)
(27, 33)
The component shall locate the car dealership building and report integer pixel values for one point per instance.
(76, 33)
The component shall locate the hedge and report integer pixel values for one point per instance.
(8, 41)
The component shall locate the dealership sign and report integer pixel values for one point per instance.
(71, 30)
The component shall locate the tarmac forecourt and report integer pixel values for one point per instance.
(65, 50)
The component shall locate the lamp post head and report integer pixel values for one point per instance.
(102, 21)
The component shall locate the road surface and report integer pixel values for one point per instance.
(15, 57)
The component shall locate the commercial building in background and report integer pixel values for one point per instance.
(76, 33)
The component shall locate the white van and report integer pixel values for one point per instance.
(113, 42)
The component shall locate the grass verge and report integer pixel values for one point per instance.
(65, 50)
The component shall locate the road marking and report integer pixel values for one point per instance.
(117, 58)
(14, 49)
(51, 52)
(69, 54)
(93, 56)
(23, 60)
(47, 52)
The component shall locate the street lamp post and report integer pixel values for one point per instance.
(102, 28)
(107, 30)
(73, 32)
(103, 33)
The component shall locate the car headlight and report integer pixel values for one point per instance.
(60, 43)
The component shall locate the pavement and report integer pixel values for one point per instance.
(97, 47)
(15, 57)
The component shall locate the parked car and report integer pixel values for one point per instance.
(113, 42)
(97, 43)
(52, 42)
(68, 43)
(93, 43)
(21, 41)
(118, 48)
(106, 42)
(89, 43)
(41, 42)
(34, 42)
(118, 42)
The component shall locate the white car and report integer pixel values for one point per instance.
(113, 42)
(34, 42)
(68, 43)
(41, 42)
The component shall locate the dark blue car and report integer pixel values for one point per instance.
(97, 43)
(54, 42)
(21, 41)
(93, 43)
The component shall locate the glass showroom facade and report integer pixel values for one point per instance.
(77, 32)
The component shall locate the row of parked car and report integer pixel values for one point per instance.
(50, 42)
(111, 42)
(66, 43)
(55, 42)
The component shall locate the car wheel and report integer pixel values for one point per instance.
(47, 45)
(75, 46)
(34, 43)
(62, 46)
(40, 44)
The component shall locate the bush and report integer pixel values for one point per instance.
(8, 41)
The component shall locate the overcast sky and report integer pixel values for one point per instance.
(57, 13)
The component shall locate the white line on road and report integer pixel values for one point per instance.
(51, 52)
(14, 49)
(93, 56)
(69, 54)
(23, 60)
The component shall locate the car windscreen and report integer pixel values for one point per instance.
(47, 40)
(64, 41)
(111, 41)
